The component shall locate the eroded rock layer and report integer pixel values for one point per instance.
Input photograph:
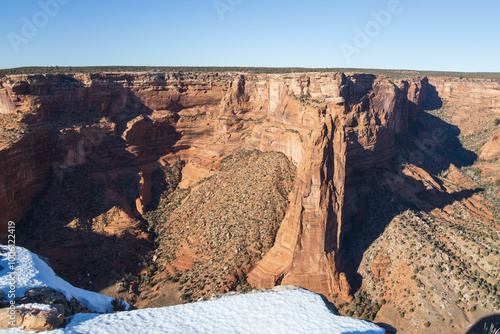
(115, 130)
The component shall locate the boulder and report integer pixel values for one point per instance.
(492, 148)
(52, 297)
(379, 266)
(32, 318)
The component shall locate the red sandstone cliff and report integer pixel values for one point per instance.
(122, 126)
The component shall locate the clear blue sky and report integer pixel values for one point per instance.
(448, 35)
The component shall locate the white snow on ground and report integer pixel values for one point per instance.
(288, 311)
(32, 272)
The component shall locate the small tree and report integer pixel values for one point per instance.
(118, 305)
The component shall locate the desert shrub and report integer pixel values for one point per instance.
(118, 305)
(497, 121)
(185, 296)
(427, 324)
(242, 280)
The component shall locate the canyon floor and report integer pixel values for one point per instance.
(381, 193)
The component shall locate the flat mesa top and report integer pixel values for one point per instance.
(251, 70)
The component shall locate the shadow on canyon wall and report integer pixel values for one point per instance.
(431, 145)
(94, 172)
(356, 88)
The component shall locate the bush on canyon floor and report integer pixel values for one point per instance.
(118, 305)
(362, 307)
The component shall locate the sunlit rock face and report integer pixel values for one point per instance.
(119, 128)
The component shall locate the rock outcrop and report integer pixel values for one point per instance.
(48, 296)
(31, 318)
(492, 148)
(380, 265)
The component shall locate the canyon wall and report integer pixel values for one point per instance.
(336, 128)
(468, 93)
(24, 171)
(473, 106)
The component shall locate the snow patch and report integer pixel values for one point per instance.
(291, 311)
(32, 272)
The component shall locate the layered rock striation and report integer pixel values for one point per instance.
(121, 127)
